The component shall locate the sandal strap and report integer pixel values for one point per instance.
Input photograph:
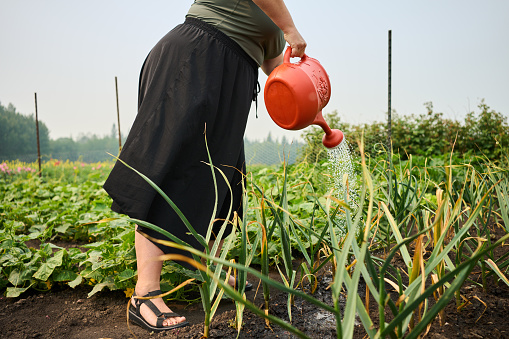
(152, 307)
(149, 294)
(137, 302)
(160, 315)
(153, 293)
(159, 322)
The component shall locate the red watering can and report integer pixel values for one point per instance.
(296, 93)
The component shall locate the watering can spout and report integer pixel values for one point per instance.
(333, 137)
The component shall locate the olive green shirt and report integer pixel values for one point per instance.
(245, 23)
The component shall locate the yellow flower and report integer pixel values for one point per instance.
(129, 292)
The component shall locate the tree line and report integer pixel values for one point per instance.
(18, 140)
(484, 132)
(18, 133)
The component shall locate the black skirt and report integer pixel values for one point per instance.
(195, 82)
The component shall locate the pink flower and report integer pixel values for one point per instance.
(74, 167)
(93, 168)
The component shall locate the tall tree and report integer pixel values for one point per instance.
(18, 135)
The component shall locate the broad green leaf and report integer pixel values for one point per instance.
(46, 269)
(125, 275)
(76, 282)
(62, 228)
(13, 292)
(65, 275)
(19, 276)
(99, 287)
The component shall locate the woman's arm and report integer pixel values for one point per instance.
(269, 64)
(276, 10)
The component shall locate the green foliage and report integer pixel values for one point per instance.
(454, 206)
(307, 184)
(487, 133)
(37, 201)
(18, 134)
(428, 135)
(60, 207)
(22, 267)
(65, 146)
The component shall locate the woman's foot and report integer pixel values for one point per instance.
(233, 283)
(151, 317)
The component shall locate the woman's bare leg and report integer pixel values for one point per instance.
(149, 276)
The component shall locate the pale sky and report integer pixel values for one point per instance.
(450, 52)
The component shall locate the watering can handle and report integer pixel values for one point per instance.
(288, 52)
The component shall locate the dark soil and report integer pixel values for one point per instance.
(68, 313)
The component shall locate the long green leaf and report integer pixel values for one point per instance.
(395, 229)
(497, 271)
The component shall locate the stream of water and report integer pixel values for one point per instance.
(344, 179)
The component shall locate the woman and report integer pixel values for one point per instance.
(200, 79)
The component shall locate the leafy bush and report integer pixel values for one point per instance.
(429, 135)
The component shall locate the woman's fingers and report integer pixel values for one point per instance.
(296, 42)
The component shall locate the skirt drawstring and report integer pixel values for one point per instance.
(256, 90)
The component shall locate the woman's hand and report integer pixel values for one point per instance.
(296, 42)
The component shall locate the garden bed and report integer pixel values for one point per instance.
(52, 240)
(68, 313)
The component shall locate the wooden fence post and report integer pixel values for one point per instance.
(37, 130)
(118, 119)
